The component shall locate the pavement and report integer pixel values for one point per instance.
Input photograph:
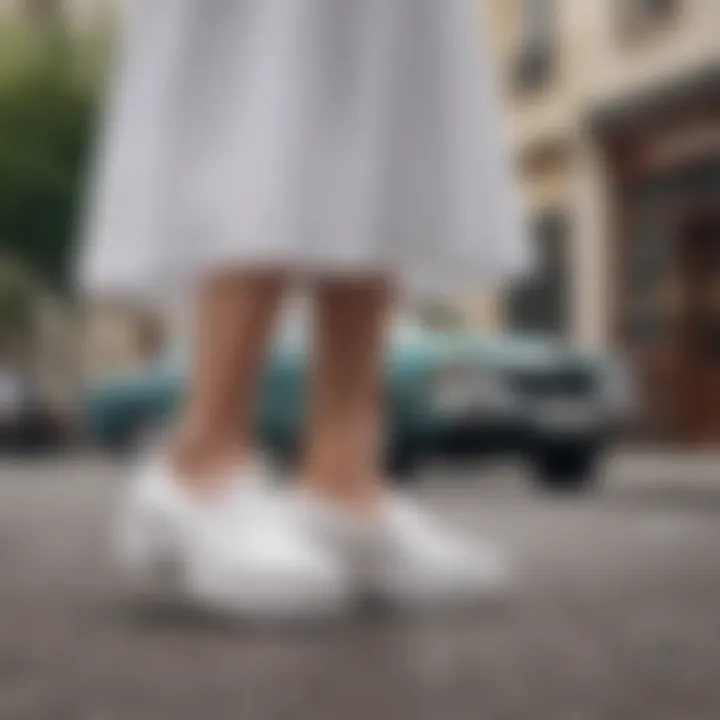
(615, 614)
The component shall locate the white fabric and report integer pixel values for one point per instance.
(321, 135)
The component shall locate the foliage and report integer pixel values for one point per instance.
(46, 114)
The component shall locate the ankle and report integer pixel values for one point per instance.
(364, 499)
(205, 468)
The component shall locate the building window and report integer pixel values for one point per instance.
(537, 53)
(639, 15)
(540, 303)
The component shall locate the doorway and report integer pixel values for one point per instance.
(699, 329)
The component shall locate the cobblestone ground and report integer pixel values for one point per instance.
(615, 614)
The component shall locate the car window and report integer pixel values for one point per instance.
(11, 392)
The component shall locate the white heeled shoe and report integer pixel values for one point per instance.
(402, 558)
(237, 553)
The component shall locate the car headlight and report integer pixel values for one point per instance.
(467, 389)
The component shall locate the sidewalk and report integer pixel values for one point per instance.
(615, 616)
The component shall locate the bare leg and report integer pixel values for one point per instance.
(242, 561)
(345, 426)
(235, 317)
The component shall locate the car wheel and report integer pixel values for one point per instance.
(401, 464)
(566, 469)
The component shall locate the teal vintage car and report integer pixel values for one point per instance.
(448, 394)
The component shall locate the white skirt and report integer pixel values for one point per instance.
(323, 136)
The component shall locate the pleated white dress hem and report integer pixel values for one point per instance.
(325, 137)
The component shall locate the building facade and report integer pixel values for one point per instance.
(615, 110)
(615, 106)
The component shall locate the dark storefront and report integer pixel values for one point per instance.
(664, 156)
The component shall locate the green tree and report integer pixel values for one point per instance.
(46, 115)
